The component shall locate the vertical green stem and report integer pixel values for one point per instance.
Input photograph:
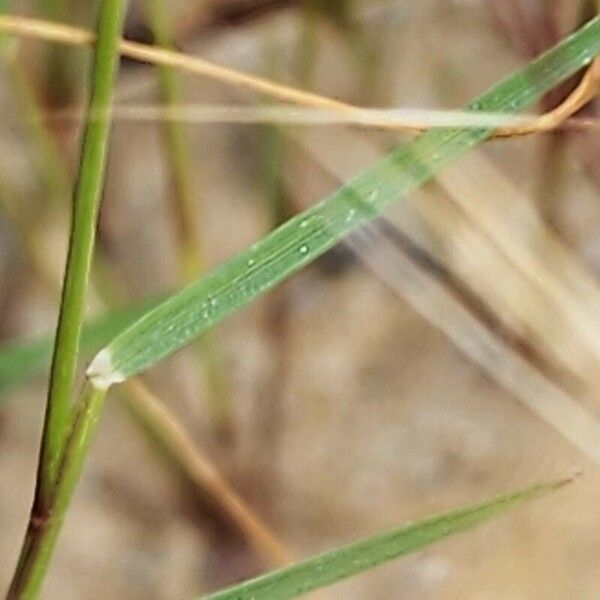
(58, 469)
(51, 169)
(184, 204)
(307, 44)
(46, 156)
(177, 144)
(57, 83)
(43, 530)
(85, 209)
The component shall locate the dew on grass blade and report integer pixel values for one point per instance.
(178, 320)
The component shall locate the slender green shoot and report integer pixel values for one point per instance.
(178, 153)
(59, 70)
(52, 469)
(198, 307)
(45, 153)
(185, 208)
(347, 561)
(86, 202)
(307, 44)
(43, 531)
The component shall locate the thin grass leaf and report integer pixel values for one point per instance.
(23, 360)
(342, 563)
(300, 240)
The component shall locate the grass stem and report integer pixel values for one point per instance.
(177, 444)
(185, 209)
(148, 411)
(85, 209)
(43, 528)
(58, 468)
(178, 151)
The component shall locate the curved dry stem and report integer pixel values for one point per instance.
(74, 36)
(186, 210)
(175, 441)
(585, 92)
(200, 470)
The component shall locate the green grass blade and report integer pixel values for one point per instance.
(300, 240)
(341, 563)
(23, 360)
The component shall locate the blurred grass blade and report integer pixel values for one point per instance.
(344, 562)
(23, 360)
(300, 240)
(284, 114)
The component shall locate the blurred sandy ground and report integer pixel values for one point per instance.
(380, 419)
